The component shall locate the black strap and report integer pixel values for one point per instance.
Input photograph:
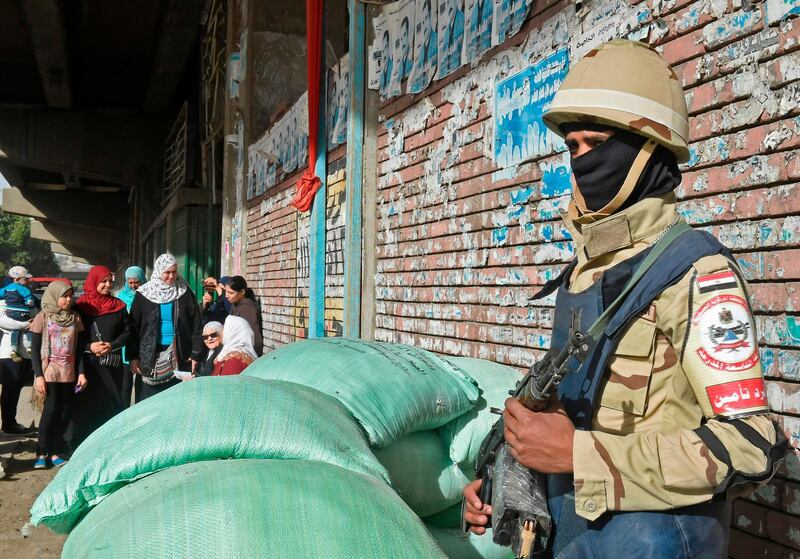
(714, 445)
(556, 282)
(752, 436)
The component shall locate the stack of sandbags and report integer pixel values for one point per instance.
(422, 473)
(463, 435)
(253, 508)
(208, 418)
(391, 389)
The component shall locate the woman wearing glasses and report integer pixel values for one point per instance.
(212, 339)
(237, 348)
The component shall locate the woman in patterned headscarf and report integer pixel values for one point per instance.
(58, 370)
(166, 320)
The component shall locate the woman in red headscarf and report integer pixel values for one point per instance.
(107, 330)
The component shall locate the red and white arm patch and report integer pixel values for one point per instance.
(737, 396)
(720, 357)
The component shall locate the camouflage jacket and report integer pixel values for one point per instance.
(683, 413)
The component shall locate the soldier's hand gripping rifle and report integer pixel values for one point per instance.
(517, 494)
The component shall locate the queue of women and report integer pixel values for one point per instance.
(92, 356)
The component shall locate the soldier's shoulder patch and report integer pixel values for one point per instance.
(716, 281)
(724, 327)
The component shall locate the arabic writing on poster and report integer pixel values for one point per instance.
(738, 395)
(520, 101)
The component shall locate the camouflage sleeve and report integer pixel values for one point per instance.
(728, 448)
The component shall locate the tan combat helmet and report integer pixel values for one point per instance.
(625, 84)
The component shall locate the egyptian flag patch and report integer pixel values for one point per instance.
(716, 282)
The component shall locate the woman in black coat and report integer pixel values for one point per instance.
(106, 330)
(166, 320)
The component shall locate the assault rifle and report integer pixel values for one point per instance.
(517, 494)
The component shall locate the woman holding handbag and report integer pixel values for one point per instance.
(107, 330)
(167, 326)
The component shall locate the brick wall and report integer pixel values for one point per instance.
(463, 243)
(277, 256)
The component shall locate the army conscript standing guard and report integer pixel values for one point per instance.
(647, 443)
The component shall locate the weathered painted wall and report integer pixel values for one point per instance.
(463, 243)
(278, 257)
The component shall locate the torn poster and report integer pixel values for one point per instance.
(520, 101)
(451, 36)
(508, 17)
(477, 28)
(425, 46)
(338, 100)
(400, 20)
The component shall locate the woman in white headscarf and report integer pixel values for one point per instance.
(237, 348)
(166, 319)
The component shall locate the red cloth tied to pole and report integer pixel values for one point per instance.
(309, 183)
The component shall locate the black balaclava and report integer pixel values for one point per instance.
(600, 172)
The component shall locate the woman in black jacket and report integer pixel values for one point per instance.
(245, 306)
(106, 330)
(166, 320)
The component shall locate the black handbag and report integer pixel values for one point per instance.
(110, 359)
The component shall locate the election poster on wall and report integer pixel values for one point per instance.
(508, 17)
(426, 45)
(520, 102)
(477, 28)
(338, 102)
(400, 19)
(451, 36)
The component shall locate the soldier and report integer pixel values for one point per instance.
(645, 442)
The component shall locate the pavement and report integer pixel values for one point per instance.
(20, 484)
(26, 415)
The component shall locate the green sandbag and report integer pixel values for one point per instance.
(448, 518)
(391, 389)
(253, 509)
(463, 435)
(458, 545)
(422, 473)
(204, 419)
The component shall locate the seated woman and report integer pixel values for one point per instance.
(212, 339)
(237, 348)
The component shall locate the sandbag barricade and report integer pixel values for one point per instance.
(391, 389)
(253, 508)
(204, 419)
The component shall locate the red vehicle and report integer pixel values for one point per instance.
(37, 285)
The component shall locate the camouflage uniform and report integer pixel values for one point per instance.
(690, 359)
(681, 417)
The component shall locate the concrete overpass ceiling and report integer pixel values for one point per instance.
(108, 55)
(20, 74)
(112, 46)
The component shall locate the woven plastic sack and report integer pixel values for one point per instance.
(422, 473)
(448, 518)
(204, 419)
(463, 435)
(391, 389)
(253, 509)
(458, 545)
